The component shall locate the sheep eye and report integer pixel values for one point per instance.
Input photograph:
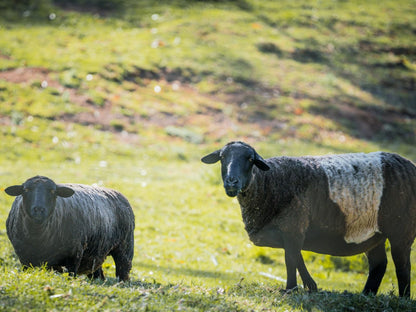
(251, 159)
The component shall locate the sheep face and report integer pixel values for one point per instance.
(39, 196)
(237, 161)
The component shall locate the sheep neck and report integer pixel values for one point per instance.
(254, 202)
(271, 192)
(38, 232)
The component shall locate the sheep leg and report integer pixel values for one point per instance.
(123, 266)
(75, 262)
(290, 261)
(73, 269)
(377, 261)
(97, 274)
(307, 279)
(293, 259)
(122, 259)
(401, 258)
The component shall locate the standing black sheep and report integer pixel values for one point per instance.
(71, 226)
(340, 205)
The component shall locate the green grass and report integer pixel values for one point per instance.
(134, 99)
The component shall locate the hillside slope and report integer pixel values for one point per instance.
(330, 73)
(132, 95)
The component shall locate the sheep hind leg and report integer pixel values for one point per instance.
(377, 261)
(123, 266)
(401, 258)
(97, 274)
(122, 259)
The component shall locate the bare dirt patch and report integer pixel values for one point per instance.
(106, 118)
(31, 75)
(361, 122)
(26, 75)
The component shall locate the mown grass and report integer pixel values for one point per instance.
(134, 98)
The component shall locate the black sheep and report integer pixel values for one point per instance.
(71, 227)
(340, 205)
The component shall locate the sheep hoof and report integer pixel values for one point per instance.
(312, 287)
(288, 291)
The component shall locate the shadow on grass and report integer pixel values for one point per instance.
(383, 70)
(227, 276)
(326, 301)
(36, 11)
(154, 296)
(345, 301)
(241, 295)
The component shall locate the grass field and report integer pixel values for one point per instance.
(131, 98)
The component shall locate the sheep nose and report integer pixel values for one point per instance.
(37, 209)
(231, 181)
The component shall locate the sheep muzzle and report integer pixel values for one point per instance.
(232, 186)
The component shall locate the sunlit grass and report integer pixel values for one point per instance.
(190, 245)
(178, 80)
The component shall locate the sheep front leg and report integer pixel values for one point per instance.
(307, 279)
(294, 260)
(73, 263)
(292, 246)
(290, 260)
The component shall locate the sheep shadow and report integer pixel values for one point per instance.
(156, 296)
(345, 301)
(254, 292)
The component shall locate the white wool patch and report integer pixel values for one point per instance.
(356, 185)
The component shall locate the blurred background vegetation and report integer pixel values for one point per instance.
(130, 94)
(327, 72)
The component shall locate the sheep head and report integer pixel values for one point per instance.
(39, 196)
(237, 161)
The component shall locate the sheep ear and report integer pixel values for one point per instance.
(211, 158)
(260, 163)
(14, 190)
(64, 191)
